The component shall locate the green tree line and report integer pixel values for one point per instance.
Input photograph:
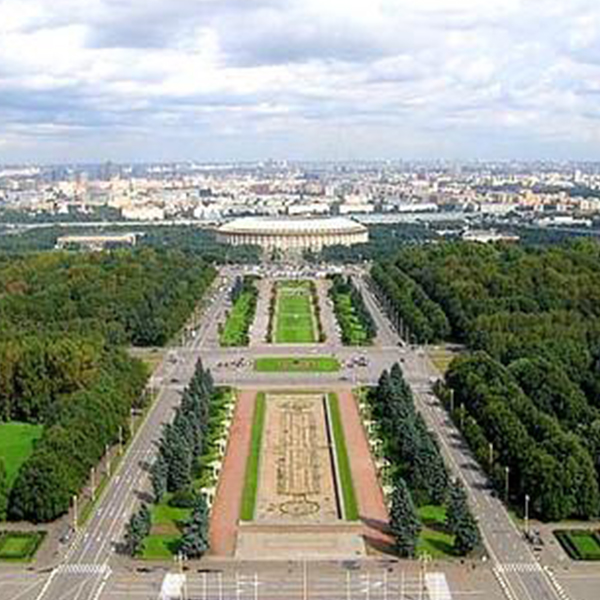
(531, 315)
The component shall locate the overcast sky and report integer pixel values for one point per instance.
(323, 79)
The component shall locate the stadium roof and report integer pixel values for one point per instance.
(291, 225)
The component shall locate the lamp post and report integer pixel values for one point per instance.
(491, 455)
(75, 519)
(506, 473)
(527, 514)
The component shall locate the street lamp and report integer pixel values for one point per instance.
(506, 473)
(527, 514)
(491, 455)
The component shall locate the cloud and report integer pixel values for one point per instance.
(135, 79)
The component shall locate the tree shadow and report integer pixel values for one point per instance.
(376, 524)
(144, 496)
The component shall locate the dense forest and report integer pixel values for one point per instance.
(128, 296)
(188, 239)
(531, 387)
(64, 318)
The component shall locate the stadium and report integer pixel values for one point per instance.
(292, 234)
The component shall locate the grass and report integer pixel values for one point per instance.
(163, 514)
(434, 539)
(253, 462)
(235, 331)
(19, 546)
(16, 445)
(290, 364)
(161, 546)
(580, 544)
(343, 461)
(295, 321)
(441, 357)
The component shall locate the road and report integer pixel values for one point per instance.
(85, 568)
(516, 568)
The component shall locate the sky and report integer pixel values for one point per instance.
(221, 80)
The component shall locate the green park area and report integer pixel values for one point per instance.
(252, 464)
(235, 332)
(294, 314)
(355, 321)
(580, 544)
(165, 536)
(343, 461)
(16, 445)
(296, 364)
(17, 546)
(434, 538)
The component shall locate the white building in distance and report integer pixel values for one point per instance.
(292, 234)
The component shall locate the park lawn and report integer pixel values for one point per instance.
(432, 514)
(434, 539)
(294, 314)
(235, 332)
(16, 445)
(160, 546)
(163, 514)
(580, 544)
(343, 461)
(438, 544)
(19, 546)
(253, 462)
(296, 364)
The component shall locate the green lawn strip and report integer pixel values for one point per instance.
(579, 544)
(16, 445)
(161, 546)
(296, 364)
(253, 462)
(294, 314)
(343, 461)
(434, 539)
(235, 331)
(16, 546)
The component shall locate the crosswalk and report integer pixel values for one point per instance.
(83, 569)
(519, 567)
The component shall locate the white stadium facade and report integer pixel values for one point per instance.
(292, 234)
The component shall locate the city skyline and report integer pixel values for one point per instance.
(169, 81)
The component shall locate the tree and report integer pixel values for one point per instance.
(404, 522)
(461, 522)
(3, 491)
(194, 542)
(137, 528)
(158, 475)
